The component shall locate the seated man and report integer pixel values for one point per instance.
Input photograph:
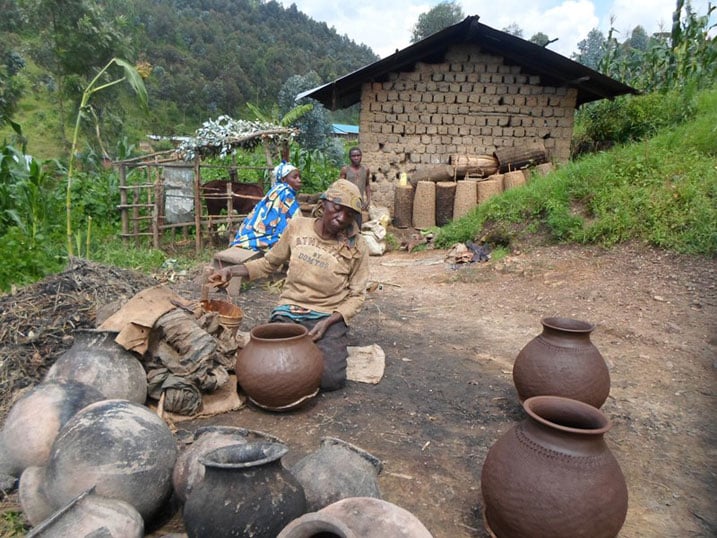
(326, 282)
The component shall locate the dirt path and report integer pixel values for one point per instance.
(451, 335)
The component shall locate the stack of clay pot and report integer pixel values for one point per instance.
(243, 484)
(553, 474)
(88, 454)
(121, 449)
(35, 420)
(95, 359)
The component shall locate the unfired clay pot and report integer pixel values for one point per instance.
(123, 449)
(35, 419)
(245, 492)
(97, 360)
(337, 470)
(360, 517)
(280, 368)
(562, 361)
(188, 471)
(553, 475)
(89, 516)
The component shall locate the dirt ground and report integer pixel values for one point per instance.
(451, 334)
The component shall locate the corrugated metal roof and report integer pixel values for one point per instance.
(552, 68)
(344, 129)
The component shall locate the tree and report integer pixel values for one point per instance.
(514, 29)
(10, 86)
(591, 49)
(638, 40)
(76, 39)
(441, 16)
(541, 39)
(315, 126)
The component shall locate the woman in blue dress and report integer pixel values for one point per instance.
(267, 221)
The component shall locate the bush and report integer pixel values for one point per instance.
(605, 123)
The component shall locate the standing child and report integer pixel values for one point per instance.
(359, 175)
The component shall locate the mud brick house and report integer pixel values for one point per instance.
(464, 91)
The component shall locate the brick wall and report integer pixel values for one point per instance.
(469, 105)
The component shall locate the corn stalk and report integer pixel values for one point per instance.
(132, 76)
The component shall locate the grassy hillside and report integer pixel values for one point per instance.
(204, 59)
(662, 191)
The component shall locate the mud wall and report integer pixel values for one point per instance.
(470, 104)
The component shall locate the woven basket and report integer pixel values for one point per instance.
(424, 205)
(480, 165)
(230, 315)
(513, 179)
(403, 206)
(466, 198)
(543, 169)
(490, 187)
(445, 195)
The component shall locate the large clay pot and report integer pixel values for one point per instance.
(337, 470)
(562, 361)
(123, 449)
(97, 360)
(245, 492)
(360, 517)
(188, 471)
(35, 419)
(280, 367)
(89, 515)
(553, 475)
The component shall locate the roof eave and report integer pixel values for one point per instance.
(551, 66)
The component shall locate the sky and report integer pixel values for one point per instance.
(387, 25)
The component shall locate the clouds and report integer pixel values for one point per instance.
(385, 25)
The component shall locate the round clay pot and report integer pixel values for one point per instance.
(123, 449)
(188, 471)
(553, 475)
(359, 517)
(92, 515)
(36, 507)
(337, 470)
(35, 419)
(280, 368)
(245, 492)
(562, 361)
(97, 360)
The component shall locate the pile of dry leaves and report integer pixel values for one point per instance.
(37, 322)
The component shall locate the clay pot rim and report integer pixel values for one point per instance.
(373, 460)
(235, 429)
(271, 451)
(57, 514)
(570, 325)
(287, 407)
(314, 522)
(576, 407)
(295, 330)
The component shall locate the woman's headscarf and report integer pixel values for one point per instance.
(281, 171)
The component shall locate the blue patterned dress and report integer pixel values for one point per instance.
(264, 225)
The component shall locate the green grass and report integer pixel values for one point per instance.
(661, 191)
